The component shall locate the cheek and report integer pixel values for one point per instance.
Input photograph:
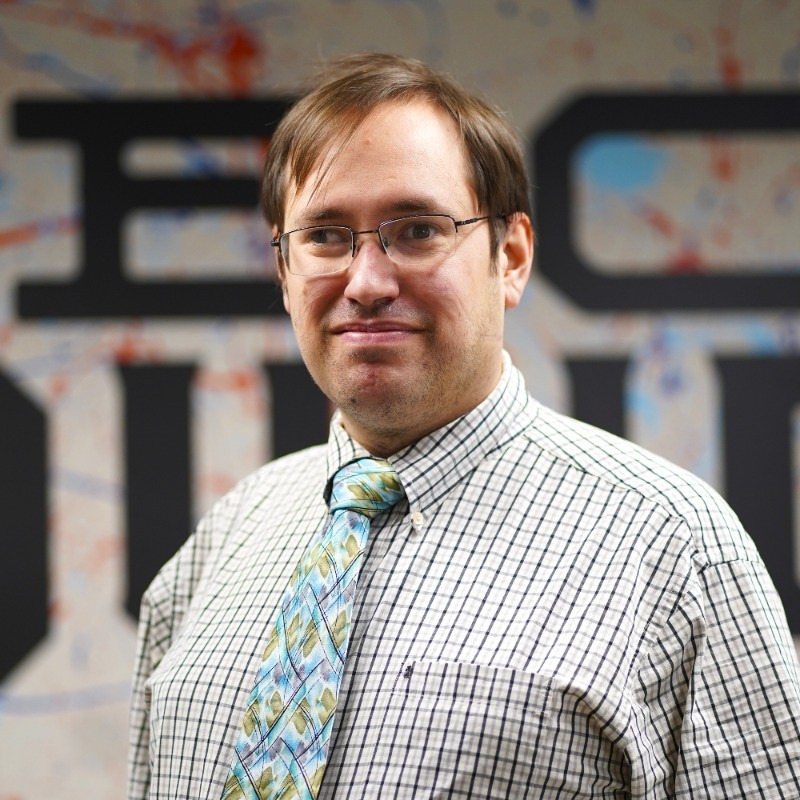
(464, 296)
(305, 303)
(286, 304)
(448, 291)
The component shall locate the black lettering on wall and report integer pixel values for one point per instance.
(598, 391)
(157, 469)
(694, 114)
(23, 537)
(300, 415)
(107, 195)
(759, 396)
(158, 454)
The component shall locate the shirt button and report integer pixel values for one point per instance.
(417, 520)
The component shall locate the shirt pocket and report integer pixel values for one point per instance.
(468, 730)
(460, 730)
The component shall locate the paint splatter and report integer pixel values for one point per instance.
(790, 64)
(658, 220)
(687, 261)
(731, 70)
(228, 56)
(724, 161)
(585, 6)
(31, 231)
(622, 164)
(507, 8)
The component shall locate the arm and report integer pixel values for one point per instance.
(163, 608)
(740, 733)
(139, 734)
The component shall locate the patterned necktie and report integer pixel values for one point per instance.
(283, 745)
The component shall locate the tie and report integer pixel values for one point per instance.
(283, 745)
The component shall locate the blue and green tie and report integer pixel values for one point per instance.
(283, 745)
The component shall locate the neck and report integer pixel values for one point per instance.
(383, 443)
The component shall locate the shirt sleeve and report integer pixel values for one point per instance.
(138, 733)
(740, 734)
(163, 608)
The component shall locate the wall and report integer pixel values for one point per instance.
(146, 365)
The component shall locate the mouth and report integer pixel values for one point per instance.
(374, 332)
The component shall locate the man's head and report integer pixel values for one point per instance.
(400, 347)
(350, 88)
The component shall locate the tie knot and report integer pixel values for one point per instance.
(367, 486)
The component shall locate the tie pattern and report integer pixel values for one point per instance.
(283, 745)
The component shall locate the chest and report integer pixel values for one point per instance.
(493, 643)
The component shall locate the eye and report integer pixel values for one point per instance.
(325, 237)
(420, 230)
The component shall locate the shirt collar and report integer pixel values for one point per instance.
(431, 467)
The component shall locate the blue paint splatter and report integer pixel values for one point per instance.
(790, 64)
(63, 74)
(642, 405)
(683, 42)
(75, 700)
(507, 8)
(585, 6)
(622, 164)
(671, 381)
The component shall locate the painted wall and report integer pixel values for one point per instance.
(146, 365)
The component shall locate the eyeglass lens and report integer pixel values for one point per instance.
(417, 241)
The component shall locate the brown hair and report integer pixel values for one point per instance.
(349, 88)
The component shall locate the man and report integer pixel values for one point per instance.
(524, 606)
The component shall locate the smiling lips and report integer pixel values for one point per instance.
(374, 332)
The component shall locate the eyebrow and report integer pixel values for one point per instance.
(408, 205)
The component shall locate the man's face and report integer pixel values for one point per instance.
(403, 351)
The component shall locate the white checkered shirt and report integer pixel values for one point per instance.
(552, 613)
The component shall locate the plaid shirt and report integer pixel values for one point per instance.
(552, 612)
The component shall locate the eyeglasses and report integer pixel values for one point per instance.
(414, 242)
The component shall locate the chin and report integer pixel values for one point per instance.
(376, 402)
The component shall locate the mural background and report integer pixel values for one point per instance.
(127, 414)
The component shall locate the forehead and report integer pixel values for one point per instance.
(403, 157)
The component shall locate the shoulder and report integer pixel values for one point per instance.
(253, 498)
(715, 531)
(304, 467)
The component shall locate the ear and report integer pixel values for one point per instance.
(516, 257)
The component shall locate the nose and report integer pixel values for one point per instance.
(371, 276)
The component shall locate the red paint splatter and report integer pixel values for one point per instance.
(228, 381)
(724, 162)
(583, 50)
(217, 482)
(659, 221)
(104, 551)
(731, 71)
(229, 58)
(21, 234)
(232, 51)
(31, 231)
(133, 349)
(58, 386)
(55, 610)
(686, 262)
(240, 51)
